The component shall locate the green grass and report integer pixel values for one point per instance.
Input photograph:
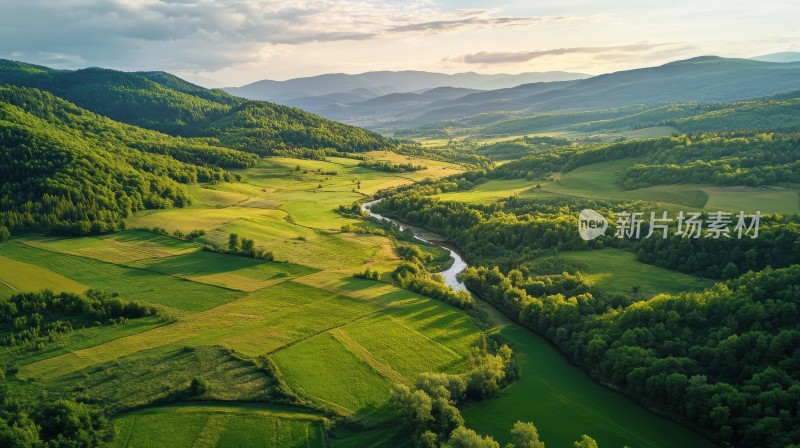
(118, 248)
(323, 369)
(618, 271)
(261, 322)
(750, 200)
(599, 181)
(152, 375)
(16, 276)
(235, 272)
(219, 425)
(132, 284)
(565, 403)
(80, 339)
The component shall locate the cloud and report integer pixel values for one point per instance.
(505, 57)
(211, 34)
(471, 22)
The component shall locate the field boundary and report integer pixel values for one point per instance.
(363, 354)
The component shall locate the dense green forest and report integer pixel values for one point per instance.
(725, 360)
(66, 170)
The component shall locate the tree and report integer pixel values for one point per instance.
(467, 438)
(199, 386)
(248, 246)
(67, 423)
(586, 442)
(525, 435)
(234, 244)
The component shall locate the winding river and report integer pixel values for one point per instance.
(451, 274)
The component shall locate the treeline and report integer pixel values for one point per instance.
(777, 245)
(429, 414)
(450, 154)
(164, 103)
(525, 146)
(779, 113)
(725, 361)
(389, 167)
(31, 320)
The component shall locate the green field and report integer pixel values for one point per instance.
(219, 425)
(565, 403)
(16, 275)
(134, 284)
(617, 271)
(599, 181)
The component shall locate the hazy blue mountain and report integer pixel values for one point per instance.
(705, 79)
(389, 82)
(785, 56)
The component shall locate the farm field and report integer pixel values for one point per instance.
(219, 425)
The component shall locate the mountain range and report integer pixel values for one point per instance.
(388, 101)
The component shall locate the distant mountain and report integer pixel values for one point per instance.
(786, 56)
(384, 82)
(703, 79)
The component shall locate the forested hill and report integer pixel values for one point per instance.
(81, 150)
(67, 170)
(163, 102)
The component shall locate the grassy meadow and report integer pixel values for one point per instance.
(599, 181)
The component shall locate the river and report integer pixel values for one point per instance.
(451, 274)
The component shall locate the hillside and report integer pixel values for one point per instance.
(67, 170)
(164, 103)
(82, 150)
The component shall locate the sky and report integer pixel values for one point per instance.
(229, 43)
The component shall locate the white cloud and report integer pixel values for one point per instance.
(212, 34)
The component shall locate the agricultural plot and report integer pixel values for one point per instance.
(261, 322)
(234, 272)
(230, 425)
(117, 248)
(16, 275)
(133, 284)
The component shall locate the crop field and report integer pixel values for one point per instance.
(117, 248)
(133, 284)
(618, 271)
(210, 425)
(16, 275)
